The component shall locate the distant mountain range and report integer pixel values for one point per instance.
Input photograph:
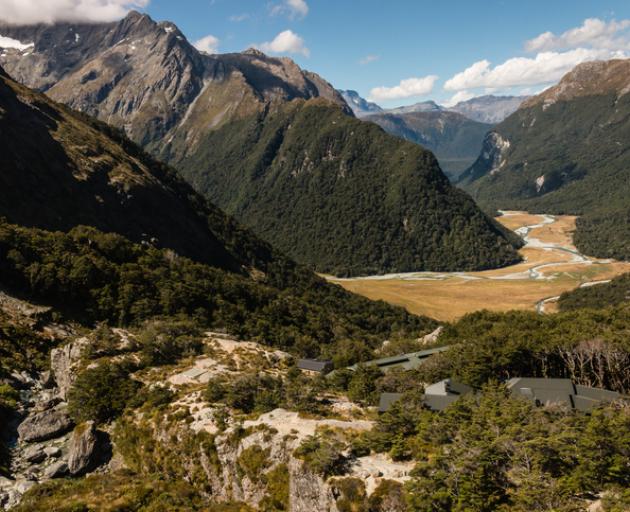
(489, 109)
(360, 106)
(454, 134)
(483, 109)
(566, 151)
(268, 142)
(454, 139)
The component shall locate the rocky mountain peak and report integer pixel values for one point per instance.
(147, 79)
(588, 79)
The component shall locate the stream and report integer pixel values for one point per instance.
(534, 273)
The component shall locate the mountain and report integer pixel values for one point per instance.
(147, 79)
(489, 109)
(306, 176)
(566, 151)
(454, 139)
(360, 106)
(67, 181)
(343, 196)
(423, 106)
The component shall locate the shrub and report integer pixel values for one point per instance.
(321, 456)
(101, 394)
(362, 387)
(165, 342)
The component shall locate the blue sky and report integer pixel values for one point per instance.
(403, 39)
(397, 51)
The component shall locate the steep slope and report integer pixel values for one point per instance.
(343, 196)
(489, 109)
(61, 171)
(360, 106)
(566, 151)
(147, 79)
(454, 139)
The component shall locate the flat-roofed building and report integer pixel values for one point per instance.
(315, 365)
(560, 391)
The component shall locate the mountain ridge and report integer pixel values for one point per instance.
(565, 151)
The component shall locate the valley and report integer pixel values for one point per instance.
(551, 265)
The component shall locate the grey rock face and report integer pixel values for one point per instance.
(45, 425)
(63, 362)
(83, 448)
(34, 454)
(57, 470)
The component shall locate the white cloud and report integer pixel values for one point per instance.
(554, 56)
(405, 89)
(286, 42)
(544, 68)
(51, 11)
(593, 33)
(208, 44)
(458, 97)
(292, 8)
(369, 59)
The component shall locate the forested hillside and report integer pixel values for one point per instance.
(342, 196)
(565, 151)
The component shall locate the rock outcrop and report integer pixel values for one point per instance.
(63, 364)
(45, 425)
(83, 452)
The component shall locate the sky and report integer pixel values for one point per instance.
(394, 52)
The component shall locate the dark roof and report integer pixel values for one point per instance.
(386, 401)
(439, 402)
(405, 361)
(314, 365)
(560, 391)
(441, 394)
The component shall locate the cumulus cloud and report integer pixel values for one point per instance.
(208, 44)
(553, 56)
(291, 8)
(369, 59)
(593, 33)
(286, 42)
(407, 88)
(544, 68)
(25, 12)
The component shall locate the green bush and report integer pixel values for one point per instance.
(102, 393)
(165, 342)
(321, 456)
(363, 387)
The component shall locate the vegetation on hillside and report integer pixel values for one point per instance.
(570, 157)
(91, 277)
(602, 295)
(342, 196)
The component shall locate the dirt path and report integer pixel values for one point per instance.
(551, 266)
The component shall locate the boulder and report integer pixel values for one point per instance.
(56, 470)
(34, 454)
(52, 452)
(85, 449)
(45, 425)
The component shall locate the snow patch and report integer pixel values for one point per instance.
(7, 42)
